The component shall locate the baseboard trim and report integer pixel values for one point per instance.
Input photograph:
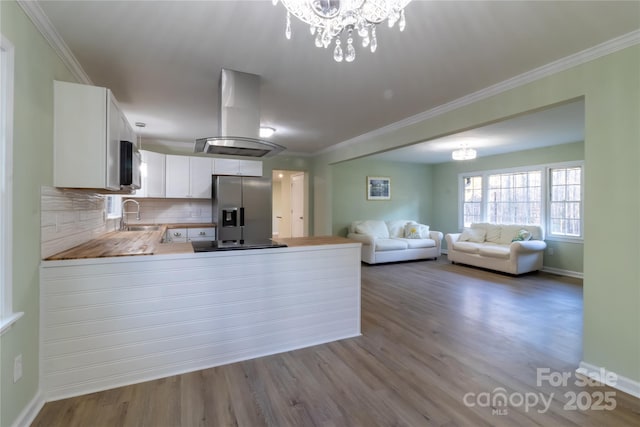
(624, 384)
(563, 272)
(31, 411)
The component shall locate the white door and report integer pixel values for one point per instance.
(297, 205)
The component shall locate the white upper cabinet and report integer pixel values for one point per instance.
(153, 175)
(200, 171)
(87, 123)
(188, 176)
(237, 167)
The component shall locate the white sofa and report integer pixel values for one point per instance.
(385, 241)
(512, 248)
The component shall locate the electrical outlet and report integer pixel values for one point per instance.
(17, 368)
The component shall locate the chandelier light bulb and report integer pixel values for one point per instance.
(328, 19)
(464, 153)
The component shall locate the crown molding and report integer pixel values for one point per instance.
(587, 55)
(33, 10)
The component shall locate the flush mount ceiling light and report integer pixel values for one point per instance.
(464, 153)
(266, 132)
(330, 19)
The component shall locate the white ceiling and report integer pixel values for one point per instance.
(162, 59)
(556, 125)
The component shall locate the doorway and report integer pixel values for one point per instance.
(289, 204)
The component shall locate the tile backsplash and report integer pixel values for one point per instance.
(72, 217)
(69, 218)
(171, 211)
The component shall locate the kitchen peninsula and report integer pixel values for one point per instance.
(112, 321)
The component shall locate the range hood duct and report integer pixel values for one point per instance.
(239, 119)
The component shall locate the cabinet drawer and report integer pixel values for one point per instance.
(176, 235)
(205, 233)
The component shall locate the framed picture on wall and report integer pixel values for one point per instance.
(378, 188)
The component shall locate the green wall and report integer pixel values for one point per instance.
(36, 66)
(611, 88)
(410, 192)
(567, 256)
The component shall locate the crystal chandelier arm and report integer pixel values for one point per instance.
(329, 18)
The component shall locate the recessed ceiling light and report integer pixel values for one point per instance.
(266, 132)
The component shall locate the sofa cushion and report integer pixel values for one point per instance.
(373, 228)
(467, 247)
(495, 251)
(493, 233)
(396, 227)
(416, 231)
(508, 233)
(391, 244)
(473, 235)
(419, 243)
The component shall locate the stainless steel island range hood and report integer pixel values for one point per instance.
(239, 119)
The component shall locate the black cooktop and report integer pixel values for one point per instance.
(234, 245)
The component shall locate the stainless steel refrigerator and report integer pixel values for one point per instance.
(242, 207)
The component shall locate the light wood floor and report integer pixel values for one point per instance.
(433, 333)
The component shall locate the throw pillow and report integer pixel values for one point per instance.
(373, 228)
(472, 235)
(522, 236)
(416, 231)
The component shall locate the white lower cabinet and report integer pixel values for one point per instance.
(176, 235)
(205, 233)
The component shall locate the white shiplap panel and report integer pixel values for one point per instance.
(169, 324)
(112, 322)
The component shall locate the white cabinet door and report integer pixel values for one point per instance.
(200, 177)
(188, 176)
(86, 137)
(250, 168)
(237, 167)
(113, 143)
(226, 166)
(153, 182)
(177, 176)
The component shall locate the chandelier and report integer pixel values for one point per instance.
(464, 153)
(330, 19)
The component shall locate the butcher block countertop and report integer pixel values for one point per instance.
(128, 243)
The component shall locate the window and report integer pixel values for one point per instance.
(113, 206)
(515, 198)
(547, 195)
(565, 202)
(7, 316)
(472, 205)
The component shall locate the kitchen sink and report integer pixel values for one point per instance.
(142, 228)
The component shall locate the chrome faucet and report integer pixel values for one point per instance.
(123, 213)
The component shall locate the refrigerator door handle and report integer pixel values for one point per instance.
(241, 217)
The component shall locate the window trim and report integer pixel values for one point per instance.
(7, 61)
(546, 196)
(564, 165)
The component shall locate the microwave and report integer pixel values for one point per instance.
(130, 162)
